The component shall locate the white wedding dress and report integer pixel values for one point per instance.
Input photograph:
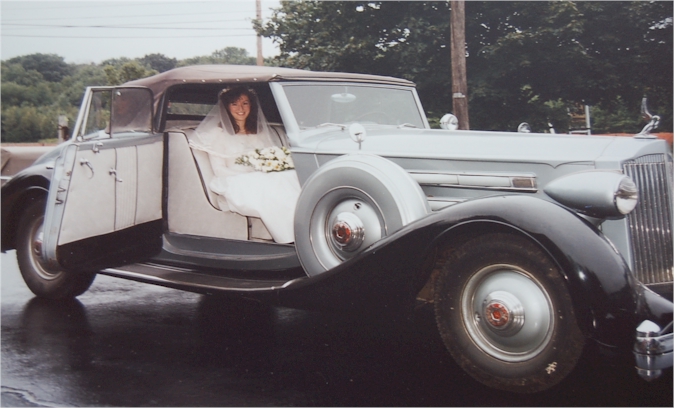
(270, 196)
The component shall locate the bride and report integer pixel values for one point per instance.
(236, 127)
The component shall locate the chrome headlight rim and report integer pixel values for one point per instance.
(596, 193)
(626, 196)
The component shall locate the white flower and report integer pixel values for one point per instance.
(272, 159)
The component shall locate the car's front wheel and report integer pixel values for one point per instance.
(505, 315)
(42, 279)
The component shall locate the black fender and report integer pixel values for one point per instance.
(603, 288)
(28, 185)
(388, 273)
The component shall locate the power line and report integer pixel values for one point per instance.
(125, 16)
(239, 20)
(128, 27)
(133, 25)
(120, 4)
(127, 37)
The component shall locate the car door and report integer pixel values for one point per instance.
(105, 200)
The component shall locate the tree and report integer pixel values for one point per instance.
(227, 55)
(27, 124)
(31, 103)
(52, 67)
(594, 53)
(526, 60)
(158, 62)
(14, 72)
(129, 71)
(403, 39)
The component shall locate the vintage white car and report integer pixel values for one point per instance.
(529, 245)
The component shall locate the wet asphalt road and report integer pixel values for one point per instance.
(129, 344)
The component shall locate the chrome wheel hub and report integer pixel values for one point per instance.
(503, 312)
(507, 313)
(348, 231)
(351, 225)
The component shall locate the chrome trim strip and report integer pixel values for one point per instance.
(526, 182)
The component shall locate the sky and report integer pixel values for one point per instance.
(92, 31)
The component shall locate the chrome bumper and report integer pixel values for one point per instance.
(653, 349)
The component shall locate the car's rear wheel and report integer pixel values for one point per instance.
(350, 203)
(505, 315)
(42, 279)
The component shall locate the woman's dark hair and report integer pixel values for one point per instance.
(233, 95)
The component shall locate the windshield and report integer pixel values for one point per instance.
(317, 104)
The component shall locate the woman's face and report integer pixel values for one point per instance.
(240, 108)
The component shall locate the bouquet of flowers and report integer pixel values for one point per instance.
(273, 159)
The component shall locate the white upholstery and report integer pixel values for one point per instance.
(192, 207)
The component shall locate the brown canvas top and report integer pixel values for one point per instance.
(247, 74)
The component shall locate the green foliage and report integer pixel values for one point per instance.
(578, 52)
(38, 88)
(158, 62)
(31, 104)
(227, 55)
(128, 71)
(26, 124)
(619, 117)
(402, 39)
(526, 61)
(52, 67)
(14, 72)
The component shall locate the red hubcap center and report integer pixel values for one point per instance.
(497, 314)
(342, 233)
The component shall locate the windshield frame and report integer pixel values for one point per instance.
(293, 129)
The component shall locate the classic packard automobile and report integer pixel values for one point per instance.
(530, 246)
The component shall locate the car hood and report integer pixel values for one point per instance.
(552, 149)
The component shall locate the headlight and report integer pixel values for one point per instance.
(626, 196)
(597, 193)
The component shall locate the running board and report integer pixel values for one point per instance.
(192, 280)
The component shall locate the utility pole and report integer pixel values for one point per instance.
(460, 104)
(258, 15)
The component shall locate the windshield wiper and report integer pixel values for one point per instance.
(406, 125)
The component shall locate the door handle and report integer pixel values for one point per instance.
(97, 147)
(84, 162)
(114, 172)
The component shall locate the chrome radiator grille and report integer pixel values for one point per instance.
(651, 222)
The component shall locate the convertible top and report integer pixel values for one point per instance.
(214, 74)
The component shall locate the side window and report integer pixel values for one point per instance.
(118, 110)
(98, 116)
(131, 110)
